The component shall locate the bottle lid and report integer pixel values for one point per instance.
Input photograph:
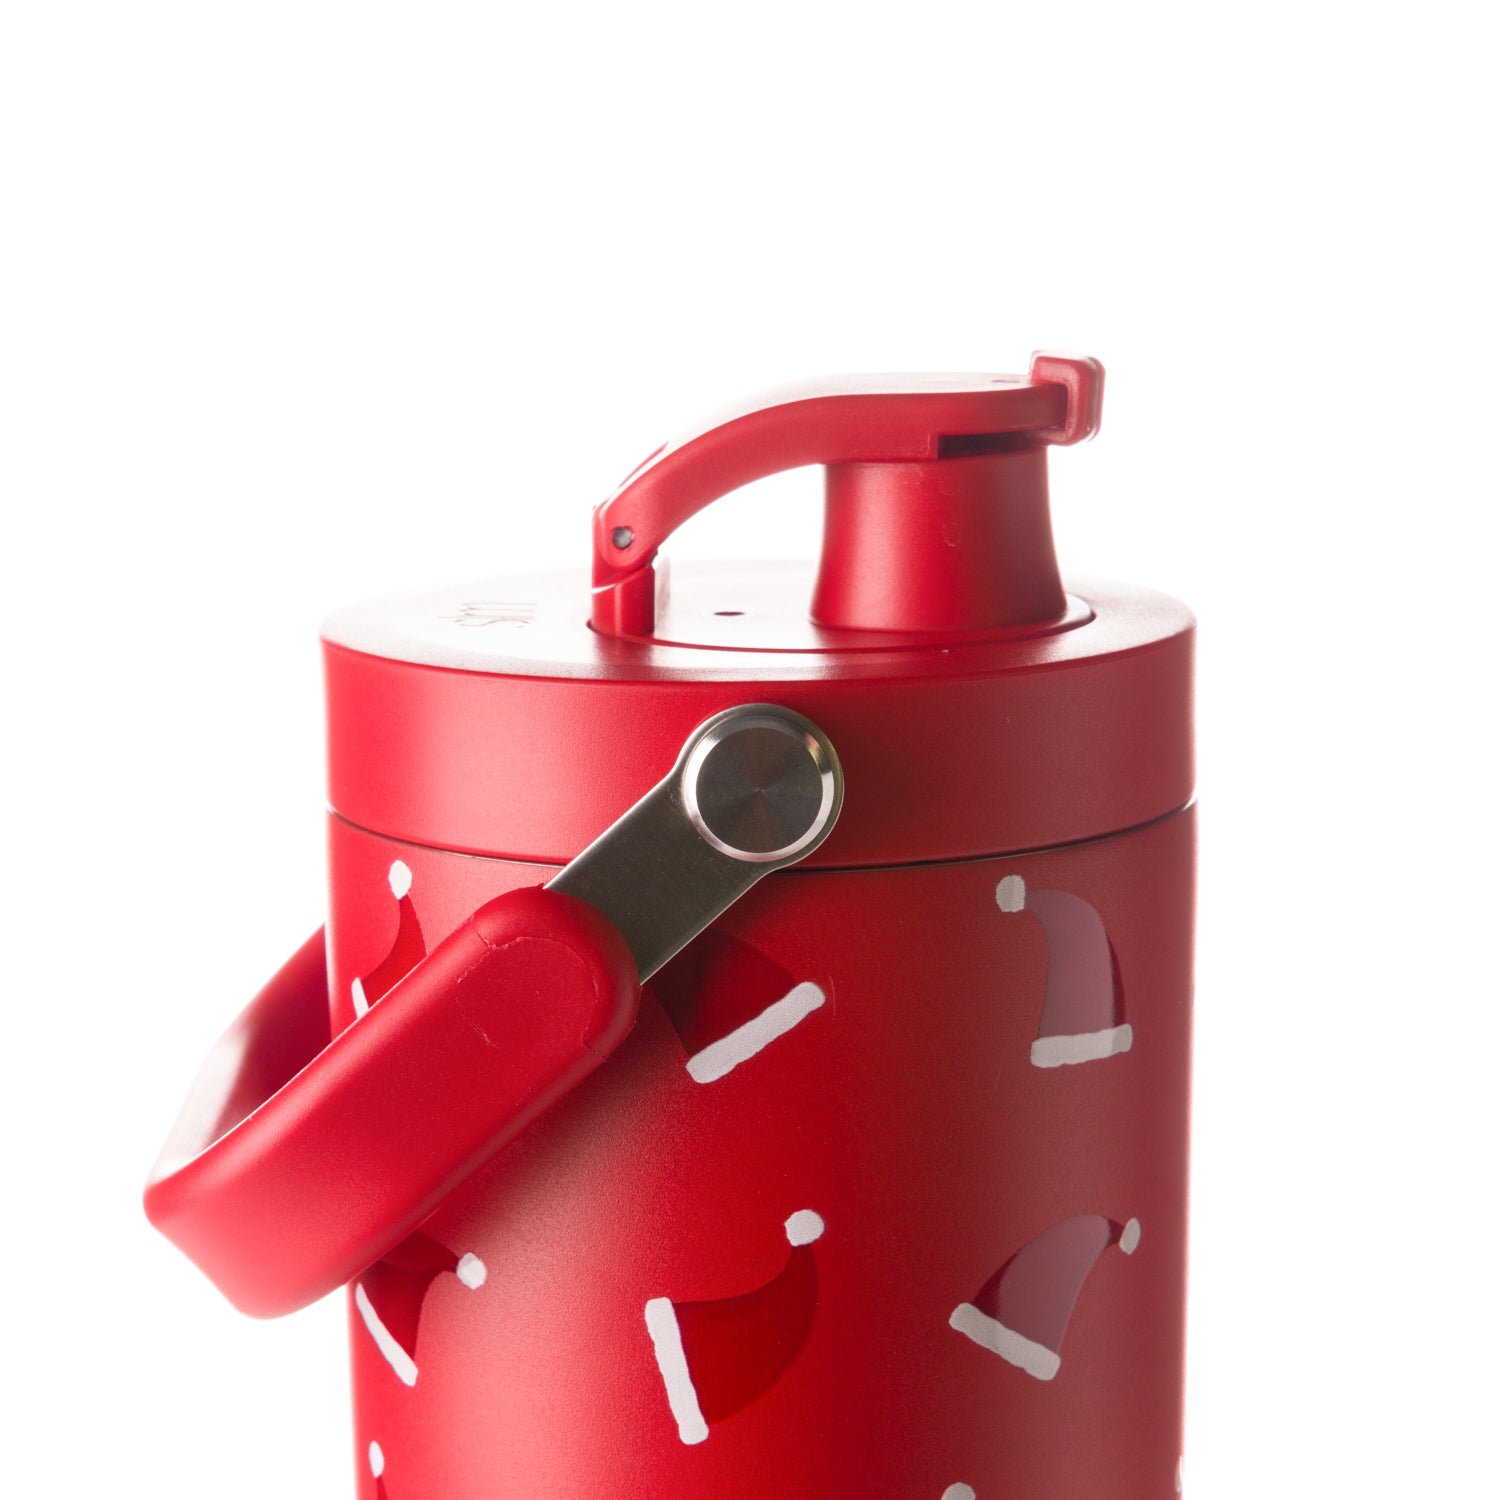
(979, 707)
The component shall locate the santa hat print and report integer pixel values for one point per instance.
(716, 1357)
(376, 1460)
(1083, 1011)
(407, 950)
(1022, 1311)
(728, 1002)
(390, 1294)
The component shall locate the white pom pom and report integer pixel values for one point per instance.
(1010, 894)
(400, 878)
(377, 1460)
(959, 1492)
(804, 1227)
(471, 1271)
(1130, 1236)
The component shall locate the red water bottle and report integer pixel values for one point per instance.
(651, 1176)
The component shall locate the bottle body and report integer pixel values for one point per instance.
(885, 1194)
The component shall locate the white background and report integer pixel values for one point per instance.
(302, 302)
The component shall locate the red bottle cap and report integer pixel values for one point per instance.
(979, 706)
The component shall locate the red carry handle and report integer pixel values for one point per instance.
(299, 1160)
(848, 421)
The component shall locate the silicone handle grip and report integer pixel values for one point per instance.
(848, 419)
(297, 1161)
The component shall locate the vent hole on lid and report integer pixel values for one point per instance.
(973, 444)
(727, 612)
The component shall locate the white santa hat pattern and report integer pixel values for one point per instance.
(407, 950)
(716, 1357)
(1083, 1008)
(1022, 1311)
(729, 1002)
(390, 1294)
(376, 1459)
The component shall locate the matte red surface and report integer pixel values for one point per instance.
(408, 948)
(906, 1112)
(739, 1347)
(857, 425)
(878, 1006)
(398, 1283)
(950, 750)
(1034, 1292)
(964, 544)
(355, 1144)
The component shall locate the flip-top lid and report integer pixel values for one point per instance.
(978, 706)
